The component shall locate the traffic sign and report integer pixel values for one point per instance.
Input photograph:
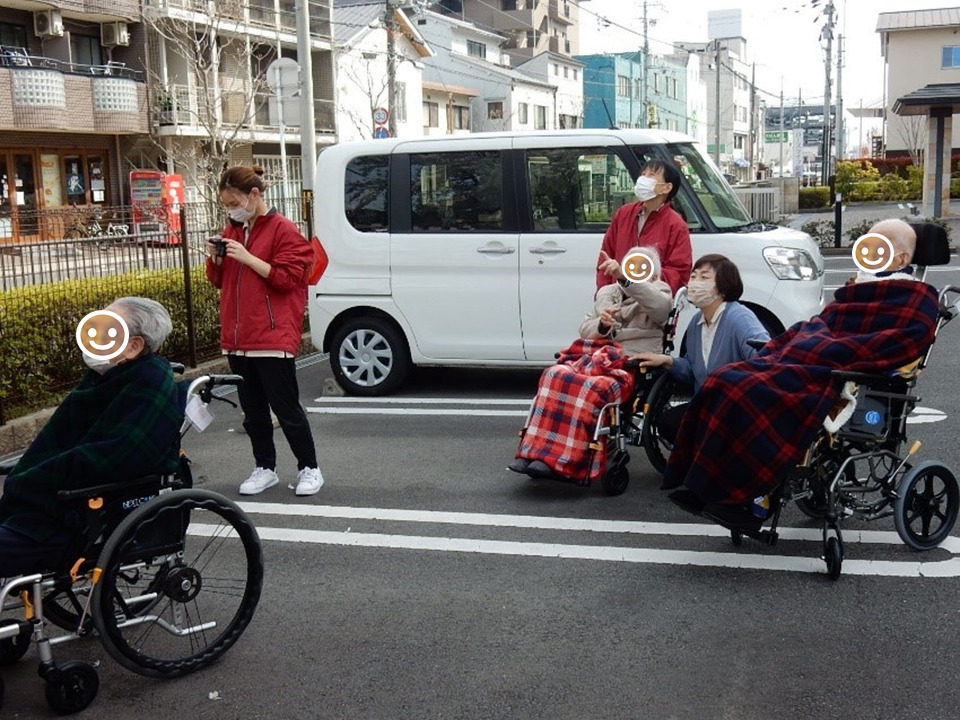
(380, 116)
(381, 132)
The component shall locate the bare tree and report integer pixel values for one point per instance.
(207, 77)
(913, 130)
(371, 82)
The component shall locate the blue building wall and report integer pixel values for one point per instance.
(602, 84)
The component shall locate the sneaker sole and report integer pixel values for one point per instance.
(257, 492)
(305, 493)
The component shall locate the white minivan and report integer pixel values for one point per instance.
(481, 249)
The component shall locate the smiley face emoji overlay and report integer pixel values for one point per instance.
(637, 266)
(873, 252)
(102, 334)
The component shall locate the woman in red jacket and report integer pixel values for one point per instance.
(261, 268)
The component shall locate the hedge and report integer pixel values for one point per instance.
(814, 197)
(39, 357)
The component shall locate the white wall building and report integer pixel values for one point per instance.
(360, 40)
(469, 57)
(566, 74)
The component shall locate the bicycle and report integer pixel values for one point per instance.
(87, 226)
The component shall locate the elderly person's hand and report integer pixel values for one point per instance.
(608, 318)
(610, 267)
(652, 360)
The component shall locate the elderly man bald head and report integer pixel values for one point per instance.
(903, 238)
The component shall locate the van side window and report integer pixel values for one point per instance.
(459, 191)
(365, 193)
(576, 189)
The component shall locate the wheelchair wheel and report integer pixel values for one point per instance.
(181, 580)
(833, 556)
(666, 392)
(816, 505)
(71, 687)
(63, 606)
(928, 499)
(615, 479)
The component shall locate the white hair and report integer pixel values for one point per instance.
(146, 318)
(654, 256)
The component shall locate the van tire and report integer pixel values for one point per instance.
(369, 356)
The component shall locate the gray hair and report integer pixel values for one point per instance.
(654, 255)
(146, 318)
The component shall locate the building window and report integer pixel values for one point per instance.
(522, 113)
(566, 71)
(637, 88)
(741, 113)
(623, 86)
(656, 82)
(431, 114)
(508, 4)
(539, 117)
(477, 49)
(85, 50)
(461, 117)
(13, 35)
(556, 69)
(951, 56)
(576, 74)
(738, 142)
(494, 110)
(400, 102)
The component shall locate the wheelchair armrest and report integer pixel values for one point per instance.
(178, 368)
(862, 378)
(756, 343)
(7, 464)
(147, 481)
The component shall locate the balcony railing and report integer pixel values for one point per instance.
(560, 11)
(257, 13)
(18, 58)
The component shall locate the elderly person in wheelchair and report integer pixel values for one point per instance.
(627, 318)
(751, 423)
(121, 422)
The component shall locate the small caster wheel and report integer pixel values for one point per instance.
(14, 648)
(71, 687)
(736, 537)
(833, 556)
(615, 480)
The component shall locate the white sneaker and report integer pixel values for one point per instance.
(309, 481)
(259, 480)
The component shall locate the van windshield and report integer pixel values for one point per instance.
(724, 208)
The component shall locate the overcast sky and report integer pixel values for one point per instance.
(783, 42)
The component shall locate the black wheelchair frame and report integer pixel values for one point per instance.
(158, 574)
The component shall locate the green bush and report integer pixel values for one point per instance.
(893, 187)
(39, 357)
(820, 230)
(955, 188)
(915, 181)
(851, 175)
(861, 228)
(812, 198)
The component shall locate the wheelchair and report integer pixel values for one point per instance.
(620, 426)
(860, 465)
(165, 575)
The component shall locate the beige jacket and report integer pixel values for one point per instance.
(644, 308)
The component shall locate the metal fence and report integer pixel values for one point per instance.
(47, 286)
(763, 203)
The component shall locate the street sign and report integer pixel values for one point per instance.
(381, 132)
(380, 116)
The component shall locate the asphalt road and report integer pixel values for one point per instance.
(426, 581)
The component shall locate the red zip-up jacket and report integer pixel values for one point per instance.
(664, 230)
(259, 313)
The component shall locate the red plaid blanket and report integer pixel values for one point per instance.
(589, 375)
(751, 421)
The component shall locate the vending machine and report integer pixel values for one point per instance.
(156, 198)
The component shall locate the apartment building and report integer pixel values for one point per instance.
(73, 96)
(531, 27)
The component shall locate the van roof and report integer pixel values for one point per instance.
(629, 136)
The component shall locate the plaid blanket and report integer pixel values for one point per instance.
(588, 375)
(751, 421)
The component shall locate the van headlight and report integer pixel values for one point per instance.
(791, 263)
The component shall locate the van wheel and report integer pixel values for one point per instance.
(369, 356)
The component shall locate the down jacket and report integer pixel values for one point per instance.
(644, 307)
(259, 313)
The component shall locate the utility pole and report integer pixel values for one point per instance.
(860, 132)
(753, 122)
(391, 26)
(840, 133)
(643, 72)
(716, 136)
(826, 146)
(308, 124)
(780, 166)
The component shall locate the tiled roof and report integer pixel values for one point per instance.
(351, 20)
(920, 101)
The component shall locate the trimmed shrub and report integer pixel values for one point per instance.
(894, 187)
(860, 228)
(864, 192)
(39, 357)
(812, 198)
(820, 230)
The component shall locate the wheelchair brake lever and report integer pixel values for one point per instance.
(223, 399)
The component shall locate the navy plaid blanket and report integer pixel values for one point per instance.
(752, 421)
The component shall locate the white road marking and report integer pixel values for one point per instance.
(660, 556)
(421, 401)
(415, 411)
(921, 415)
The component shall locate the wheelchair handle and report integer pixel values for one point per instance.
(947, 310)
(178, 368)
(150, 481)
(861, 378)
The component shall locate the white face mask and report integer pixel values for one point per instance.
(242, 214)
(645, 188)
(96, 364)
(702, 292)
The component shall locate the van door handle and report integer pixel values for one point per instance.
(543, 250)
(496, 250)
